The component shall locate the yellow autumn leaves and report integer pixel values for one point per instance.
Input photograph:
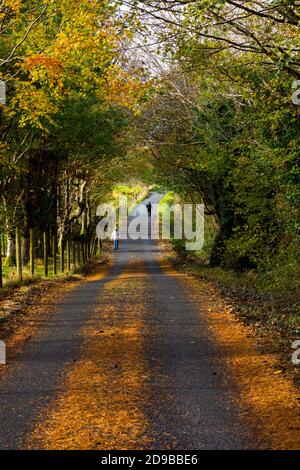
(69, 48)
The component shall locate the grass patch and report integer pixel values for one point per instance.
(11, 281)
(255, 301)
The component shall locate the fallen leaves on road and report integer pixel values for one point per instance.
(268, 399)
(105, 391)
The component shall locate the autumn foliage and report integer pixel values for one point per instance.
(70, 98)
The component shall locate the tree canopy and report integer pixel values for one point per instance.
(69, 101)
(195, 95)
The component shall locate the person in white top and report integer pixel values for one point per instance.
(115, 238)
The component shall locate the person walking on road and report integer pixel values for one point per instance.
(149, 208)
(115, 238)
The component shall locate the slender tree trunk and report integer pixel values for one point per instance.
(45, 254)
(11, 249)
(74, 254)
(25, 249)
(62, 256)
(31, 252)
(54, 251)
(19, 254)
(68, 254)
(84, 221)
(3, 244)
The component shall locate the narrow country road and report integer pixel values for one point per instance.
(127, 361)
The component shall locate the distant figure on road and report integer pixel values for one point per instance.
(115, 237)
(149, 208)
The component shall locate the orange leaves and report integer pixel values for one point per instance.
(9, 11)
(79, 44)
(123, 89)
(14, 5)
(53, 65)
(10, 5)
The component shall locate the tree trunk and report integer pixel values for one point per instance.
(19, 254)
(84, 221)
(54, 250)
(10, 250)
(31, 252)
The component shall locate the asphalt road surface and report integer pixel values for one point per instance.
(189, 405)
